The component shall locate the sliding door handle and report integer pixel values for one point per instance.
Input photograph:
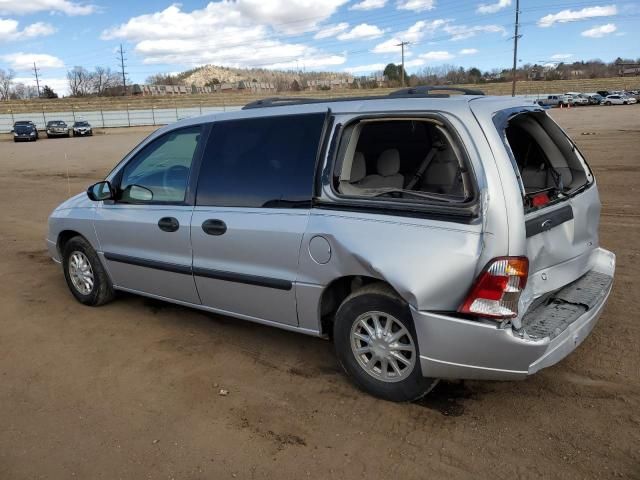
(168, 224)
(214, 227)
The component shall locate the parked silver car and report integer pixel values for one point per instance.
(430, 236)
(57, 128)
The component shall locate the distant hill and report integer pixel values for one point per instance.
(207, 74)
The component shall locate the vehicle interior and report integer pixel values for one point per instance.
(411, 159)
(546, 159)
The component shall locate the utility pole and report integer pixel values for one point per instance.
(515, 49)
(401, 45)
(35, 72)
(124, 76)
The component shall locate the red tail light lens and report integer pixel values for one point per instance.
(497, 290)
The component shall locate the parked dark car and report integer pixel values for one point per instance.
(57, 128)
(25, 132)
(603, 93)
(82, 128)
(25, 122)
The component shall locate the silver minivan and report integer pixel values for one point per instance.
(429, 235)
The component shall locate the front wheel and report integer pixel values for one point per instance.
(85, 275)
(376, 344)
(608, 104)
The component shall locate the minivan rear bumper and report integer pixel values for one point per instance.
(465, 349)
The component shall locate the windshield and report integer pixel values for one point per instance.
(56, 124)
(23, 128)
(81, 124)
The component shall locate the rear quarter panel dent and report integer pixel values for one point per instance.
(429, 265)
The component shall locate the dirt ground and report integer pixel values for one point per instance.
(131, 390)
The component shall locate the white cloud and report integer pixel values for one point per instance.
(9, 30)
(8, 7)
(24, 61)
(373, 67)
(60, 85)
(436, 56)
(416, 5)
(493, 7)
(561, 56)
(468, 51)
(414, 63)
(290, 16)
(599, 32)
(462, 32)
(331, 30)
(565, 16)
(368, 5)
(315, 62)
(364, 30)
(241, 39)
(414, 33)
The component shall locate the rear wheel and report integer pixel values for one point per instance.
(376, 345)
(608, 104)
(85, 276)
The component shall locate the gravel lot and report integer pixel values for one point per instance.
(131, 390)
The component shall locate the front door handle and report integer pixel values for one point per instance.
(214, 227)
(168, 224)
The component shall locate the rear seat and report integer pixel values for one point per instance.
(388, 176)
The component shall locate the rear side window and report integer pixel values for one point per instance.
(261, 162)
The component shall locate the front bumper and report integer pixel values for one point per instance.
(465, 349)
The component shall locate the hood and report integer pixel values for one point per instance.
(78, 201)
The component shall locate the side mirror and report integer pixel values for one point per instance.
(101, 191)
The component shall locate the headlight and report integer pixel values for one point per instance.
(33, 134)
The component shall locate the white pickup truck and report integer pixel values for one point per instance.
(556, 101)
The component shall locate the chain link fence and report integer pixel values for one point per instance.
(110, 118)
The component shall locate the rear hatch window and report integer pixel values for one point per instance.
(548, 163)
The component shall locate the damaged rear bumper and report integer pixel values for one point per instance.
(465, 349)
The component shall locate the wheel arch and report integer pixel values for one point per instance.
(342, 287)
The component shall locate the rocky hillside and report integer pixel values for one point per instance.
(203, 75)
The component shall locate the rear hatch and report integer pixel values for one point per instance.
(561, 202)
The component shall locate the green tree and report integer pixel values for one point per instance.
(393, 72)
(47, 92)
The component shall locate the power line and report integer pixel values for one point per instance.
(401, 45)
(124, 75)
(35, 72)
(515, 49)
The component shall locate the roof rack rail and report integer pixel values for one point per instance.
(279, 101)
(423, 91)
(426, 89)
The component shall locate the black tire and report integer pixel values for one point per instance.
(378, 298)
(102, 291)
(608, 104)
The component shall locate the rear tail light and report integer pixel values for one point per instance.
(497, 289)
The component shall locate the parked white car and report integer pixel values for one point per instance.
(578, 98)
(618, 100)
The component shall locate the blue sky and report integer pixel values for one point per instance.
(357, 36)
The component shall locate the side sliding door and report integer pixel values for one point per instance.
(253, 200)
